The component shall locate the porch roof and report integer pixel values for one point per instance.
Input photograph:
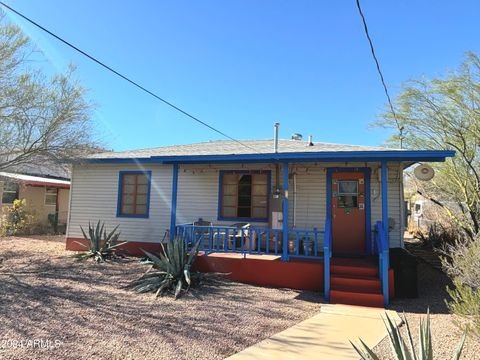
(261, 151)
(36, 180)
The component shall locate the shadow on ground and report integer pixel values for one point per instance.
(82, 303)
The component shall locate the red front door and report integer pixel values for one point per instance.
(348, 212)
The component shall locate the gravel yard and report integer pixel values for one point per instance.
(46, 294)
(445, 334)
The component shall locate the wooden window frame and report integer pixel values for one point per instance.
(239, 173)
(121, 175)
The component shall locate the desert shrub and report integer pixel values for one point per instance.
(462, 264)
(17, 219)
(170, 270)
(101, 246)
(439, 236)
(400, 350)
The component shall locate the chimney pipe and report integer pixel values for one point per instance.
(310, 140)
(275, 137)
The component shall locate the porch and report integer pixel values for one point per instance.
(297, 258)
(260, 251)
(345, 193)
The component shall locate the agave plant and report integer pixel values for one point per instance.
(170, 271)
(101, 245)
(399, 347)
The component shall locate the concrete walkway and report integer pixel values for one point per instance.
(325, 335)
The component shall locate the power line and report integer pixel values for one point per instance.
(124, 77)
(372, 49)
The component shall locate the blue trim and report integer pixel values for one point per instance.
(368, 212)
(368, 221)
(385, 200)
(349, 156)
(173, 209)
(285, 213)
(220, 181)
(119, 195)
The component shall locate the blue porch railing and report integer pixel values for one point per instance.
(327, 254)
(382, 249)
(302, 243)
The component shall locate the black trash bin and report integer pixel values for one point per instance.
(404, 267)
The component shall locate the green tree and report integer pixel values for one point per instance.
(40, 118)
(444, 113)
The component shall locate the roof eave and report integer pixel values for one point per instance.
(330, 156)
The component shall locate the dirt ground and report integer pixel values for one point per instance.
(55, 307)
(446, 336)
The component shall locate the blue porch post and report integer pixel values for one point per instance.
(385, 199)
(285, 212)
(385, 252)
(173, 208)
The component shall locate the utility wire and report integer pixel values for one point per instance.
(372, 49)
(125, 77)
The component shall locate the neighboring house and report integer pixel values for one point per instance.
(44, 196)
(270, 213)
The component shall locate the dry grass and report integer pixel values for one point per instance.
(46, 294)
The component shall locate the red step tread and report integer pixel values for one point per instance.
(355, 282)
(367, 262)
(356, 298)
(355, 289)
(354, 270)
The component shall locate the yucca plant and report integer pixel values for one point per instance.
(170, 271)
(101, 246)
(399, 346)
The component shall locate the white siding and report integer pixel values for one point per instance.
(94, 192)
(95, 189)
(198, 191)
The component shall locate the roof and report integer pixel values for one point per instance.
(41, 166)
(256, 150)
(36, 180)
(227, 147)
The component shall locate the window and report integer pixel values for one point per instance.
(347, 194)
(10, 192)
(134, 194)
(50, 196)
(244, 195)
(418, 208)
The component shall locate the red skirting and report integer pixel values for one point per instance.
(262, 270)
(301, 275)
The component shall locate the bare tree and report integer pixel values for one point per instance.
(40, 118)
(445, 114)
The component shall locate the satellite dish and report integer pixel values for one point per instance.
(424, 172)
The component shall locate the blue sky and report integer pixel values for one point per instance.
(243, 65)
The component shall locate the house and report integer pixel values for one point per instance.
(42, 182)
(287, 213)
(45, 196)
